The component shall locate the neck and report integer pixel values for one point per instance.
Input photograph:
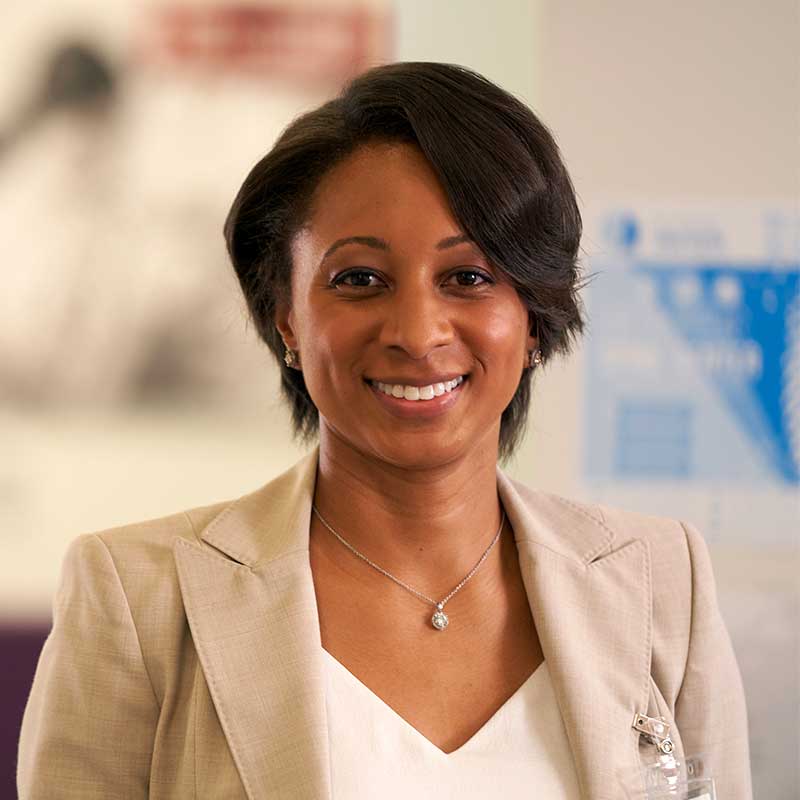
(427, 526)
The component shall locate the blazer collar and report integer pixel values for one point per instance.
(255, 625)
(270, 522)
(274, 520)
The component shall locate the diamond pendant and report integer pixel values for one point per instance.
(439, 619)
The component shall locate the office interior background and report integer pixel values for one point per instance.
(132, 385)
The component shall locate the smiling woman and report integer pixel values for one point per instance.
(483, 159)
(408, 252)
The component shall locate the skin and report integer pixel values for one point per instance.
(417, 495)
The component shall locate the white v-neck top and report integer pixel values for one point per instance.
(521, 752)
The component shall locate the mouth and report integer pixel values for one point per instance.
(415, 393)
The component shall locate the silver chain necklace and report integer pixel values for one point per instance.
(439, 620)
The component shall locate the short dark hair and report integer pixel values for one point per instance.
(500, 169)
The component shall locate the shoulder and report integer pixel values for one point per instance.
(668, 538)
(131, 564)
(123, 581)
(147, 542)
(145, 550)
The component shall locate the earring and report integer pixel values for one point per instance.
(535, 358)
(290, 358)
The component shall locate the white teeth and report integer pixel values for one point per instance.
(419, 392)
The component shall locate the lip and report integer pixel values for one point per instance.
(419, 409)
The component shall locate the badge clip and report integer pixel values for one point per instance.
(655, 730)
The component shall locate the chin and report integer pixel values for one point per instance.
(426, 446)
(418, 452)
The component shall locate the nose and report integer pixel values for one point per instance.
(416, 322)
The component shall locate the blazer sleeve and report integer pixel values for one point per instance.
(710, 709)
(89, 724)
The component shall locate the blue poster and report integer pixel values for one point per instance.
(693, 352)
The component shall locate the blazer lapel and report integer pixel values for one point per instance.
(590, 599)
(251, 607)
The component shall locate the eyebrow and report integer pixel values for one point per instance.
(382, 244)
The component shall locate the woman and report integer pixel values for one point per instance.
(393, 615)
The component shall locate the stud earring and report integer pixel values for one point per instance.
(535, 358)
(290, 358)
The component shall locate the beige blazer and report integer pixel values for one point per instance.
(185, 657)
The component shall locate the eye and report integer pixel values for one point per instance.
(357, 278)
(471, 277)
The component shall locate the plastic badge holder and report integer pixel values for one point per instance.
(672, 778)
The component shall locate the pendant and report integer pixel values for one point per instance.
(439, 619)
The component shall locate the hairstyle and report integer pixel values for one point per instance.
(500, 169)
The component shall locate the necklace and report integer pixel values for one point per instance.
(439, 620)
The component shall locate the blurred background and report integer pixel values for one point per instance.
(132, 385)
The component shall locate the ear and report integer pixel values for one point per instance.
(284, 322)
(532, 341)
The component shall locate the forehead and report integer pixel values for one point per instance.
(378, 190)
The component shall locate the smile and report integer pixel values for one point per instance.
(417, 393)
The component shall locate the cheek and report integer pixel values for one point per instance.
(502, 335)
(332, 348)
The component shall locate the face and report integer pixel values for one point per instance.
(411, 342)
